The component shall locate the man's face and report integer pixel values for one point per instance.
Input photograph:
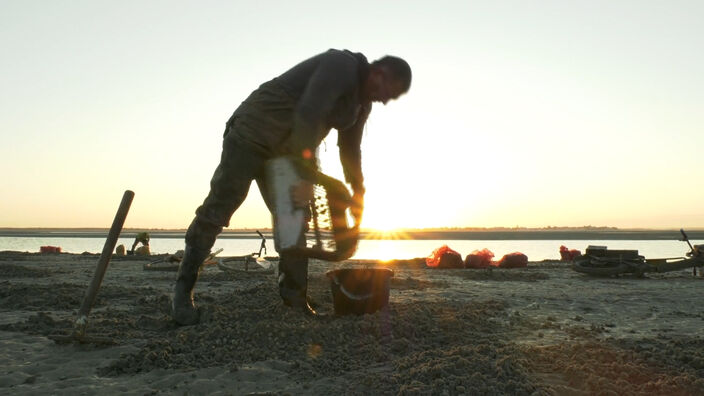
(385, 87)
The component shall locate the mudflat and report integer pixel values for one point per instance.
(543, 329)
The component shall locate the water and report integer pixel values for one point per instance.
(536, 250)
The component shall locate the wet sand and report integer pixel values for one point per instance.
(544, 329)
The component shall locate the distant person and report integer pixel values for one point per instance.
(143, 238)
(289, 115)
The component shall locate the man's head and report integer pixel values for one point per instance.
(389, 78)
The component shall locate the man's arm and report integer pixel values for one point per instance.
(335, 75)
(349, 141)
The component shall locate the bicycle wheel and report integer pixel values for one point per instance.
(607, 268)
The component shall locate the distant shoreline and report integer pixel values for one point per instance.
(489, 234)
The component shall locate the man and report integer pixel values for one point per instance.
(289, 115)
(143, 238)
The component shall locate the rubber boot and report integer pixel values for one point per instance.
(293, 283)
(184, 311)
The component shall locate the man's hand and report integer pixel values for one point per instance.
(302, 194)
(357, 207)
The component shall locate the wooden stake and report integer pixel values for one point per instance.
(103, 262)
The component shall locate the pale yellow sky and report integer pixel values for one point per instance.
(528, 113)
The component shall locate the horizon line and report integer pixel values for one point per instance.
(371, 229)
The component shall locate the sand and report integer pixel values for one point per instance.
(544, 329)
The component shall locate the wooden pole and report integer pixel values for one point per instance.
(103, 262)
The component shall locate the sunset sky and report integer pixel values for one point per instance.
(521, 113)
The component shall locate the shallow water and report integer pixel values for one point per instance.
(536, 250)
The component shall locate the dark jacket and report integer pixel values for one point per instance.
(296, 110)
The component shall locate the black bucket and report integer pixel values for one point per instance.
(359, 291)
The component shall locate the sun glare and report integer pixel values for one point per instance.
(381, 249)
(386, 234)
(376, 233)
(382, 227)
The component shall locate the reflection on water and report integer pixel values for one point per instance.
(368, 249)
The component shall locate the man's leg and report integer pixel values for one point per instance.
(184, 309)
(228, 189)
(293, 280)
(293, 268)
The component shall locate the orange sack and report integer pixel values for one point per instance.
(512, 260)
(479, 259)
(50, 249)
(568, 254)
(444, 257)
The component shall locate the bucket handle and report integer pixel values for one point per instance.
(347, 293)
